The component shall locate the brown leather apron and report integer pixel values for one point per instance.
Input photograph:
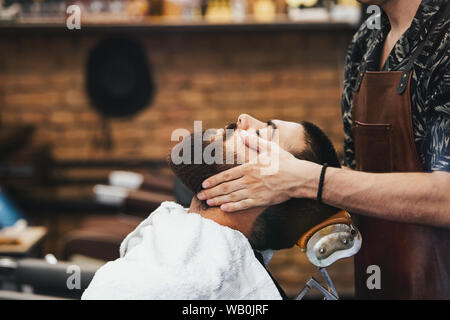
(414, 260)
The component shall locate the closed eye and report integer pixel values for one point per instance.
(274, 127)
(231, 126)
(269, 124)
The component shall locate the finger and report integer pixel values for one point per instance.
(228, 175)
(238, 206)
(231, 197)
(221, 189)
(254, 142)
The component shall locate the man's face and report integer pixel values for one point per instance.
(233, 151)
(289, 135)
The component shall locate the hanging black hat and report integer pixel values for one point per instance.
(119, 81)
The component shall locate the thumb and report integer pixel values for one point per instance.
(254, 142)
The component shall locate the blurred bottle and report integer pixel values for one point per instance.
(137, 8)
(347, 11)
(156, 8)
(97, 6)
(218, 11)
(191, 10)
(36, 8)
(302, 3)
(173, 8)
(116, 7)
(281, 7)
(309, 10)
(264, 10)
(239, 10)
(348, 3)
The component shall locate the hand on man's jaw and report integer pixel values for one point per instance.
(241, 220)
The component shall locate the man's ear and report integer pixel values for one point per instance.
(319, 146)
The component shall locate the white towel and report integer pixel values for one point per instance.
(174, 254)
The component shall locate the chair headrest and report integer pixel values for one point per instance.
(342, 217)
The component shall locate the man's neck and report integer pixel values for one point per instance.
(401, 14)
(242, 220)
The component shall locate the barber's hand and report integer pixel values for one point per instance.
(254, 184)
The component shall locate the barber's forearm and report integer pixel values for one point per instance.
(408, 197)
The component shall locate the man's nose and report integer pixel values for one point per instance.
(246, 122)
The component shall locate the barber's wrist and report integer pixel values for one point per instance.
(321, 182)
(307, 176)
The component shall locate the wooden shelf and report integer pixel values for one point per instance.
(173, 24)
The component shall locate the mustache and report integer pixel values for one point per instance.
(231, 126)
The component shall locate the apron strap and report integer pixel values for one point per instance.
(409, 67)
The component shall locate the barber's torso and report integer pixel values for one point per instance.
(398, 120)
(430, 85)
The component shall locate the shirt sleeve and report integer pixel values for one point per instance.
(437, 139)
(436, 147)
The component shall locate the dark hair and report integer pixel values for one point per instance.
(281, 225)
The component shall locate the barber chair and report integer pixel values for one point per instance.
(99, 237)
(334, 239)
(42, 279)
(143, 181)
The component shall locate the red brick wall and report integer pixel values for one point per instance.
(210, 76)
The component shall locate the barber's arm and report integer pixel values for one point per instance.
(422, 198)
